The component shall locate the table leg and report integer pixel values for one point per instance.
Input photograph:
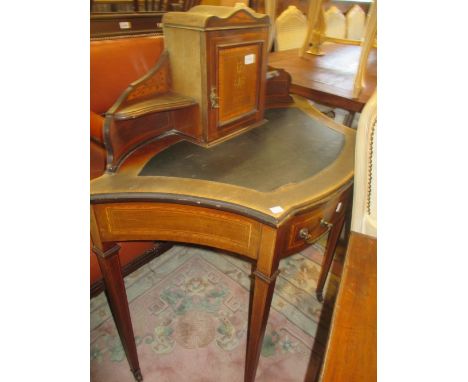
(259, 310)
(109, 262)
(348, 121)
(251, 295)
(347, 221)
(332, 240)
(264, 274)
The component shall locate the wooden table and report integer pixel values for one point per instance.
(351, 353)
(263, 195)
(328, 79)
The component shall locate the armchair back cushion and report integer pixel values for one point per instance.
(116, 63)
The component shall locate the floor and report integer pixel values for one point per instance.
(189, 308)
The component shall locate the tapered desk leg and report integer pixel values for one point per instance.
(348, 121)
(264, 275)
(108, 258)
(332, 240)
(260, 308)
(251, 296)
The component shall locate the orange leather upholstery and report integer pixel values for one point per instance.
(97, 159)
(96, 123)
(114, 65)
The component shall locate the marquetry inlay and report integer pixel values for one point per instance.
(238, 80)
(157, 84)
(179, 223)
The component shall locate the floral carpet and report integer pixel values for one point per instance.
(189, 310)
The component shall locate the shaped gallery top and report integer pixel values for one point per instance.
(211, 17)
(292, 161)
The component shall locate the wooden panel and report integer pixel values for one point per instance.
(222, 120)
(352, 348)
(125, 24)
(277, 87)
(188, 66)
(238, 81)
(156, 82)
(180, 223)
(123, 136)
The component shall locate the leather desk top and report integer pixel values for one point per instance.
(289, 148)
(297, 158)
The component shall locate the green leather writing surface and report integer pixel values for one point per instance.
(289, 148)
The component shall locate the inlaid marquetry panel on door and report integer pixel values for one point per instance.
(238, 81)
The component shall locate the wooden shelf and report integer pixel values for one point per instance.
(165, 102)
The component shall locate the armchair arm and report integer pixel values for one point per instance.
(144, 112)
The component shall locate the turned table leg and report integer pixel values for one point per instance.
(332, 240)
(108, 258)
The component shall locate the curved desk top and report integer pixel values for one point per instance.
(295, 159)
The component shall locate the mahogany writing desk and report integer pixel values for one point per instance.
(263, 195)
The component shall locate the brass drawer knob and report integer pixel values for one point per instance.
(305, 235)
(324, 223)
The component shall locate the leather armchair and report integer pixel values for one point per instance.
(114, 64)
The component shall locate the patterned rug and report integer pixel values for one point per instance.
(189, 311)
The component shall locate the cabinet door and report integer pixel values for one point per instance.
(236, 83)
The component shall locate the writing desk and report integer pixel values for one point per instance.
(263, 195)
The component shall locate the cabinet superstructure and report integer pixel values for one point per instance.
(218, 58)
(207, 86)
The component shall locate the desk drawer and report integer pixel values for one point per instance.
(314, 223)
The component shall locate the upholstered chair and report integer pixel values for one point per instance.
(355, 23)
(364, 218)
(291, 29)
(335, 23)
(114, 64)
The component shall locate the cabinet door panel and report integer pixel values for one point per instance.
(236, 77)
(238, 81)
